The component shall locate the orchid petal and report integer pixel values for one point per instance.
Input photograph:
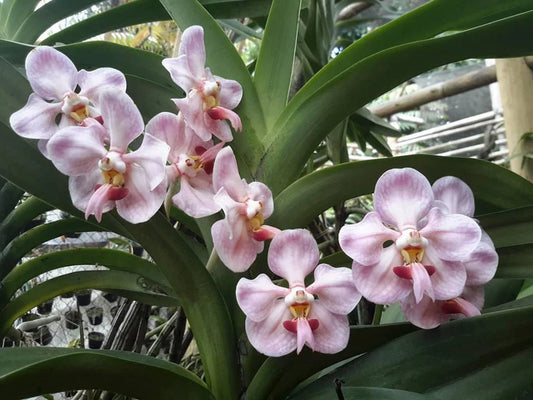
(220, 114)
(232, 209)
(93, 82)
(50, 72)
(402, 197)
(333, 330)
(121, 118)
(467, 309)
(235, 246)
(180, 72)
(219, 128)
(76, 150)
(421, 282)
(452, 236)
(151, 156)
(269, 336)
(171, 129)
(210, 153)
(141, 203)
(230, 92)
(304, 335)
(99, 203)
(363, 241)
(41, 145)
(426, 313)
(37, 119)
(266, 232)
(192, 109)
(449, 277)
(256, 297)
(82, 187)
(335, 289)
(482, 263)
(378, 283)
(260, 192)
(474, 295)
(456, 194)
(196, 196)
(192, 46)
(293, 254)
(226, 174)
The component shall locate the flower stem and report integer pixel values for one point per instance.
(377, 314)
(213, 258)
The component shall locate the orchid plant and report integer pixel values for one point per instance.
(212, 167)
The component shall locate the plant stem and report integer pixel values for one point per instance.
(213, 258)
(378, 310)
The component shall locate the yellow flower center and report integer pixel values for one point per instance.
(80, 113)
(113, 178)
(211, 94)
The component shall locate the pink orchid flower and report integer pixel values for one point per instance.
(239, 237)
(280, 320)
(452, 195)
(54, 78)
(103, 176)
(209, 98)
(428, 314)
(427, 247)
(191, 162)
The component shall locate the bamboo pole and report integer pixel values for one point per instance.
(469, 81)
(516, 89)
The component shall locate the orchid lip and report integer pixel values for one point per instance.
(405, 272)
(292, 325)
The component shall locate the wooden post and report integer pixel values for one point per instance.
(515, 79)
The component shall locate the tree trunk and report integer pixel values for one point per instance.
(516, 87)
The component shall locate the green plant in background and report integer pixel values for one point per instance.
(485, 357)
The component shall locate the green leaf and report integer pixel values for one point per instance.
(428, 359)
(19, 218)
(123, 283)
(47, 15)
(510, 378)
(516, 262)
(501, 291)
(333, 185)
(510, 227)
(5, 9)
(128, 14)
(304, 126)
(273, 70)
(376, 124)
(53, 370)
(112, 259)
(190, 279)
(14, 91)
(368, 393)
(243, 30)
(143, 11)
(9, 197)
(278, 376)
(20, 10)
(24, 243)
(425, 22)
(224, 61)
(150, 97)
